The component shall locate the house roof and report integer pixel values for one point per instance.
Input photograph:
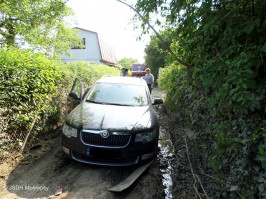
(107, 52)
(86, 30)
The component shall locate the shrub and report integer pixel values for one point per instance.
(28, 83)
(87, 72)
(33, 89)
(229, 119)
(223, 96)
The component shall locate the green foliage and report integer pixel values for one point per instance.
(40, 24)
(223, 96)
(64, 39)
(28, 83)
(34, 88)
(156, 52)
(262, 146)
(88, 73)
(127, 62)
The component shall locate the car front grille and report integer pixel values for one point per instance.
(109, 159)
(114, 140)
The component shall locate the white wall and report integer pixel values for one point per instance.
(91, 53)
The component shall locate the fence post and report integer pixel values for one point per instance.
(32, 125)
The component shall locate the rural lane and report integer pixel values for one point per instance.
(44, 169)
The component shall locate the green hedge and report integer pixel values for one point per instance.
(29, 81)
(87, 72)
(32, 91)
(223, 96)
(228, 119)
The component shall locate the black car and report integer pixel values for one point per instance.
(114, 123)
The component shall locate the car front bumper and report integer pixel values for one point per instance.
(133, 153)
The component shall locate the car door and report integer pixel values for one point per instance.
(75, 95)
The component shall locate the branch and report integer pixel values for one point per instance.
(167, 47)
(3, 33)
(196, 191)
(202, 186)
(158, 35)
(14, 19)
(196, 178)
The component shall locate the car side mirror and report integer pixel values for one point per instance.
(157, 101)
(86, 92)
(74, 95)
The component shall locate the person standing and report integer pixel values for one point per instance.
(149, 78)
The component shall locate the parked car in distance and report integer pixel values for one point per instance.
(113, 124)
(138, 70)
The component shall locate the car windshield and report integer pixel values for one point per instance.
(138, 68)
(118, 94)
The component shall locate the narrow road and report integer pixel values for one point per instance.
(44, 169)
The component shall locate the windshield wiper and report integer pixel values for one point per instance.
(92, 101)
(106, 103)
(118, 104)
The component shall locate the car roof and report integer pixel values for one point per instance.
(123, 80)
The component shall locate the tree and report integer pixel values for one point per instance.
(127, 62)
(36, 23)
(156, 53)
(224, 42)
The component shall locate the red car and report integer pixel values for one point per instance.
(138, 70)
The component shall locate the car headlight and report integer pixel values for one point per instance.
(145, 137)
(70, 131)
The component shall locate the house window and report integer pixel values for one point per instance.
(83, 42)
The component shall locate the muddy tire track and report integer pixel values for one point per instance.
(44, 168)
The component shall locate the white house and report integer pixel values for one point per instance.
(95, 51)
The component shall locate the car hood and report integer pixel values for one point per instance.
(110, 117)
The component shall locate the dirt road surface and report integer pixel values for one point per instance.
(43, 169)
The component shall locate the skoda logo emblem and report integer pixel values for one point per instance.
(104, 134)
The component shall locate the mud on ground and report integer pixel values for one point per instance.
(44, 166)
(43, 169)
(192, 179)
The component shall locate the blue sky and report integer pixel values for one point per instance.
(113, 22)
